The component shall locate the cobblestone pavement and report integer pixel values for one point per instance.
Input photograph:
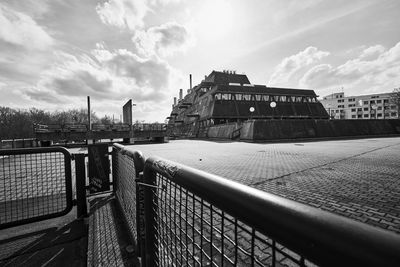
(359, 179)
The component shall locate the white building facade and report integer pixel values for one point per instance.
(375, 106)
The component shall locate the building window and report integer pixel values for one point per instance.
(365, 109)
(359, 109)
(258, 97)
(238, 96)
(366, 115)
(365, 102)
(340, 106)
(386, 101)
(246, 97)
(337, 111)
(352, 105)
(353, 110)
(282, 98)
(353, 116)
(226, 97)
(351, 99)
(265, 97)
(379, 114)
(359, 116)
(379, 108)
(372, 102)
(379, 101)
(393, 114)
(217, 96)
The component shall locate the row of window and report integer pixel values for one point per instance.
(366, 102)
(269, 98)
(379, 115)
(392, 114)
(366, 108)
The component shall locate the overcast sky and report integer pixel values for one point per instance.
(54, 53)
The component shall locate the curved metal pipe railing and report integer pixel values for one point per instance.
(315, 235)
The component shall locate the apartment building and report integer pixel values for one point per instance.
(374, 106)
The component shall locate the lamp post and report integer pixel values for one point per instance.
(251, 109)
(329, 110)
(273, 105)
(374, 107)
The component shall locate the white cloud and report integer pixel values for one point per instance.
(290, 65)
(372, 52)
(162, 40)
(20, 29)
(123, 13)
(108, 77)
(375, 68)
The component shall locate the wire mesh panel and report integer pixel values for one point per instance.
(197, 219)
(192, 232)
(35, 184)
(126, 167)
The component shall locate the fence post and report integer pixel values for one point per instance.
(150, 218)
(80, 181)
(114, 166)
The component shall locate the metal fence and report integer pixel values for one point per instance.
(127, 166)
(35, 184)
(192, 218)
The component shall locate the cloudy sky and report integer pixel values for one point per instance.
(54, 53)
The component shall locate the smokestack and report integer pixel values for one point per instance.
(89, 117)
(174, 101)
(180, 94)
(190, 77)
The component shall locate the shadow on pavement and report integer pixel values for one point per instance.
(64, 246)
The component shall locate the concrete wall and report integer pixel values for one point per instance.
(293, 129)
(18, 143)
(223, 131)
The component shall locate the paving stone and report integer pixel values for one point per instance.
(355, 178)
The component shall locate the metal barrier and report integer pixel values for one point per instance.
(126, 168)
(186, 217)
(35, 184)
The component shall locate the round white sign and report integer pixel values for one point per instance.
(272, 104)
(252, 109)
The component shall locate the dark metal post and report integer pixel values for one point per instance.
(150, 206)
(80, 180)
(89, 114)
(114, 167)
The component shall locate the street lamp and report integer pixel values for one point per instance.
(251, 109)
(374, 107)
(273, 105)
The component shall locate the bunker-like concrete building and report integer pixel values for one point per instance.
(227, 97)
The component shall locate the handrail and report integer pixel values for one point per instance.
(324, 238)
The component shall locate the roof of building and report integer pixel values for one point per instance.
(218, 77)
(262, 89)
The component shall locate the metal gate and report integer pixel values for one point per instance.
(35, 184)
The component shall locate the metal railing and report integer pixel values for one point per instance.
(191, 218)
(35, 184)
(126, 168)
